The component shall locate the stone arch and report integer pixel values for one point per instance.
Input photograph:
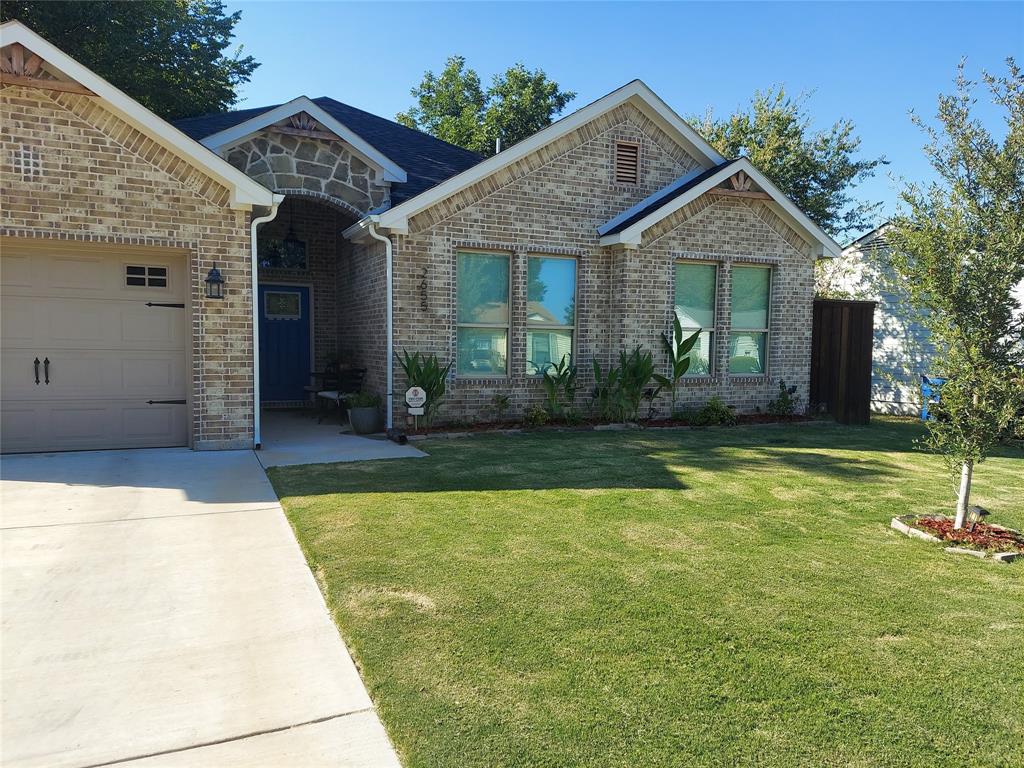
(322, 197)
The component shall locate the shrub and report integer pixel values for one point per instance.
(678, 350)
(363, 400)
(426, 373)
(715, 413)
(501, 405)
(536, 416)
(636, 372)
(785, 404)
(605, 398)
(559, 384)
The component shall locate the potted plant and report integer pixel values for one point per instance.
(364, 413)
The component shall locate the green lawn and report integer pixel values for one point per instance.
(724, 597)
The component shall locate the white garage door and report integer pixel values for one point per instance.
(93, 347)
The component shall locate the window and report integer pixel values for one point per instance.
(482, 280)
(627, 162)
(550, 312)
(748, 340)
(137, 276)
(695, 306)
(282, 305)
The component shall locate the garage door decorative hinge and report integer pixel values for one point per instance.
(165, 402)
(158, 304)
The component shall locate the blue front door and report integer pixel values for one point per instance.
(285, 362)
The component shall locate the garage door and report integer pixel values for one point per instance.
(93, 347)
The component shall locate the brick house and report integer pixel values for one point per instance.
(342, 236)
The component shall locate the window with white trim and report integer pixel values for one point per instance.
(482, 311)
(748, 335)
(695, 291)
(550, 312)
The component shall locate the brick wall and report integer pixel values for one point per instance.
(362, 330)
(552, 203)
(101, 180)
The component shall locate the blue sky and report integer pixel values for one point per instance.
(870, 62)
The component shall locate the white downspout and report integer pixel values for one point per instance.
(257, 220)
(370, 228)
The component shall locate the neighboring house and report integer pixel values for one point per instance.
(344, 236)
(902, 350)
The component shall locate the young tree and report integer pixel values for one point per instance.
(455, 108)
(958, 247)
(168, 56)
(816, 169)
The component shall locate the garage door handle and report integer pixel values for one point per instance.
(46, 370)
(35, 365)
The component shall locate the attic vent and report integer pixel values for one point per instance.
(627, 162)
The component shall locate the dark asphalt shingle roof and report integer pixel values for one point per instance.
(664, 200)
(427, 161)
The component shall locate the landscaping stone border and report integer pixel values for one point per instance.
(1001, 557)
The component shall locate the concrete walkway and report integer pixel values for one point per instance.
(157, 611)
(295, 437)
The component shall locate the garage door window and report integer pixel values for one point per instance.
(138, 276)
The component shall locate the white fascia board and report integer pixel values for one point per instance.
(245, 193)
(635, 91)
(633, 235)
(390, 169)
(685, 179)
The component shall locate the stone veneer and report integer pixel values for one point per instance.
(103, 181)
(552, 203)
(287, 163)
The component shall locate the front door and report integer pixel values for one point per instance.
(285, 341)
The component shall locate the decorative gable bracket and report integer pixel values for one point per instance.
(20, 66)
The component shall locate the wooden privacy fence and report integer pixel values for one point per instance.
(842, 336)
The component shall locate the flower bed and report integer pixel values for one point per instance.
(984, 537)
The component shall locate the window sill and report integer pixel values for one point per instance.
(748, 378)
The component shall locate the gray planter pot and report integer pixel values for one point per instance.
(365, 420)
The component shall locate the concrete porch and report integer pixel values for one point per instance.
(293, 437)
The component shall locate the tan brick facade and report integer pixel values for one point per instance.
(103, 181)
(551, 203)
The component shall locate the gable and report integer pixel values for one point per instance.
(498, 170)
(45, 67)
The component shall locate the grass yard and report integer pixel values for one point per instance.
(671, 598)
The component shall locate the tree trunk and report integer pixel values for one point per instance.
(966, 472)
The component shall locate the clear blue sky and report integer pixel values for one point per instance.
(869, 62)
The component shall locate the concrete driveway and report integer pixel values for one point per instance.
(157, 611)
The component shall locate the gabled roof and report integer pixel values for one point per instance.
(635, 92)
(424, 160)
(245, 193)
(873, 239)
(628, 228)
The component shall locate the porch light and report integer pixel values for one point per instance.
(214, 284)
(293, 250)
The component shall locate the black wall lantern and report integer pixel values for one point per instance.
(214, 284)
(293, 251)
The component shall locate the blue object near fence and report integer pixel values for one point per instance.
(931, 387)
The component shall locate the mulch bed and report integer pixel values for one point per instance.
(588, 424)
(992, 538)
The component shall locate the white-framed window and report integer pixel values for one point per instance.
(482, 313)
(145, 276)
(550, 312)
(696, 289)
(627, 162)
(748, 334)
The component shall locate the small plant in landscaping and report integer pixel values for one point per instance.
(559, 385)
(536, 416)
(606, 395)
(785, 404)
(636, 372)
(715, 413)
(428, 374)
(363, 400)
(501, 404)
(678, 350)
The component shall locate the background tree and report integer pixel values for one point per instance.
(959, 249)
(165, 54)
(454, 107)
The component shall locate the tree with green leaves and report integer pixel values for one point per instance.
(958, 247)
(816, 169)
(166, 54)
(454, 106)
